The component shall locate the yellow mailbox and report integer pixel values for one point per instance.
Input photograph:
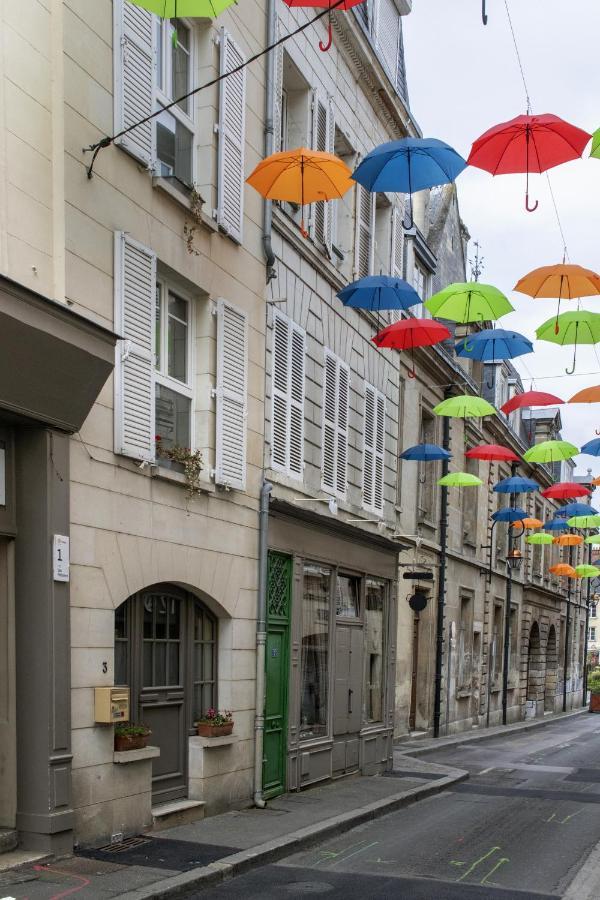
(111, 704)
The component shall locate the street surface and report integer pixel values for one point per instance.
(521, 827)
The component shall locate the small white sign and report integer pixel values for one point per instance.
(60, 557)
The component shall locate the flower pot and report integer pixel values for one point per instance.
(205, 729)
(130, 742)
(595, 703)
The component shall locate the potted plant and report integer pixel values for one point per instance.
(186, 460)
(593, 684)
(129, 736)
(215, 723)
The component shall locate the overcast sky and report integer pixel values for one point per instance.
(462, 79)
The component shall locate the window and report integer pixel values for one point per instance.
(497, 642)
(465, 643)
(374, 450)
(174, 127)
(342, 212)
(426, 495)
(537, 558)
(287, 388)
(513, 649)
(292, 114)
(469, 505)
(502, 390)
(347, 597)
(173, 392)
(592, 632)
(322, 139)
(374, 628)
(336, 391)
(381, 20)
(204, 664)
(593, 610)
(314, 654)
(422, 285)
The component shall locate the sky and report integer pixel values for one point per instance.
(463, 77)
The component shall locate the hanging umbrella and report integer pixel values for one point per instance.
(409, 165)
(565, 490)
(470, 301)
(584, 522)
(550, 451)
(425, 453)
(491, 452)
(585, 571)
(563, 282)
(555, 525)
(575, 509)
(592, 448)
(595, 151)
(185, 9)
(324, 4)
(596, 481)
(569, 540)
(509, 514)
(527, 144)
(301, 176)
(493, 345)
(464, 406)
(377, 292)
(530, 398)
(592, 539)
(460, 479)
(529, 523)
(411, 333)
(539, 539)
(564, 570)
(587, 395)
(574, 328)
(516, 485)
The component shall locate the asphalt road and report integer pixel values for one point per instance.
(521, 827)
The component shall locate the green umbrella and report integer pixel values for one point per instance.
(193, 9)
(592, 539)
(460, 479)
(539, 539)
(584, 522)
(587, 571)
(595, 151)
(550, 451)
(464, 407)
(469, 302)
(573, 328)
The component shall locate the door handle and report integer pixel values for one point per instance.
(350, 692)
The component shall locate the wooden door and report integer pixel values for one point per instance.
(277, 674)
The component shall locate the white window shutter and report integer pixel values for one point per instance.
(342, 429)
(388, 36)
(374, 450)
(278, 92)
(231, 129)
(288, 391)
(296, 431)
(336, 392)
(135, 307)
(134, 76)
(232, 377)
(396, 254)
(379, 476)
(365, 216)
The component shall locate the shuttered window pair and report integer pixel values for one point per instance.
(152, 375)
(145, 80)
(287, 388)
(374, 450)
(336, 398)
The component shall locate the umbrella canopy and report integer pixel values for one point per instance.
(464, 406)
(595, 151)
(587, 395)
(460, 479)
(509, 514)
(192, 9)
(529, 523)
(586, 571)
(527, 144)
(555, 525)
(564, 570)
(409, 165)
(377, 292)
(592, 448)
(596, 481)
(491, 452)
(469, 301)
(516, 485)
(411, 333)
(539, 539)
(575, 509)
(425, 453)
(550, 451)
(584, 522)
(562, 282)
(530, 398)
(565, 490)
(569, 540)
(573, 328)
(592, 539)
(493, 345)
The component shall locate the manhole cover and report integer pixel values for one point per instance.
(308, 887)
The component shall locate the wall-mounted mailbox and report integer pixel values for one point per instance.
(111, 704)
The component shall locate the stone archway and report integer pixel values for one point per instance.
(551, 678)
(535, 670)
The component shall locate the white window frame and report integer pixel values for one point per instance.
(338, 430)
(162, 377)
(163, 96)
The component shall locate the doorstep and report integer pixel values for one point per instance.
(8, 839)
(177, 812)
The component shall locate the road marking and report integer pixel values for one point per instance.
(501, 861)
(477, 862)
(485, 771)
(356, 852)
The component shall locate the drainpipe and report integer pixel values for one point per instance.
(506, 645)
(261, 641)
(269, 135)
(441, 598)
(567, 636)
(587, 629)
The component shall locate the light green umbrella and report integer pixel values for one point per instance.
(592, 539)
(460, 479)
(584, 522)
(469, 302)
(586, 571)
(539, 539)
(571, 328)
(595, 151)
(193, 9)
(464, 406)
(550, 451)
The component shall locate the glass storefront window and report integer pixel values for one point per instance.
(315, 651)
(347, 597)
(374, 630)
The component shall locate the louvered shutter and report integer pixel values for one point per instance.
(329, 421)
(396, 254)
(134, 73)
(279, 387)
(388, 35)
(135, 305)
(365, 214)
(341, 473)
(374, 449)
(232, 369)
(296, 430)
(287, 420)
(278, 93)
(379, 454)
(231, 129)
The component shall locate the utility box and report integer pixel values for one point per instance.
(111, 704)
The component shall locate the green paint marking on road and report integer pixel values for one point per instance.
(501, 861)
(478, 862)
(326, 855)
(566, 819)
(356, 852)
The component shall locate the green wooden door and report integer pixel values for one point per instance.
(277, 674)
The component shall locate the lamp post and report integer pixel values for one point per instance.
(514, 560)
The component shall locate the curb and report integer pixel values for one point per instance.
(271, 851)
(459, 739)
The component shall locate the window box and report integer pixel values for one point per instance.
(206, 730)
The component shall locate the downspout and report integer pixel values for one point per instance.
(261, 641)
(441, 598)
(567, 636)
(269, 134)
(507, 605)
(587, 630)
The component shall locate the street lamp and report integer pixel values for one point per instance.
(514, 560)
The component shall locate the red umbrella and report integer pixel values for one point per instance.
(528, 144)
(492, 452)
(565, 490)
(530, 398)
(410, 333)
(324, 4)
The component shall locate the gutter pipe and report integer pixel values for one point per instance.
(261, 641)
(269, 134)
(441, 598)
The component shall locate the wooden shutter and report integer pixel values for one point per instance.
(322, 139)
(387, 37)
(342, 428)
(336, 389)
(296, 431)
(232, 376)
(365, 216)
(396, 254)
(287, 385)
(374, 449)
(231, 130)
(135, 308)
(134, 74)
(379, 454)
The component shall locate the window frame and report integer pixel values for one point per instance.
(163, 36)
(185, 389)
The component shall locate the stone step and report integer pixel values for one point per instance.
(8, 839)
(177, 812)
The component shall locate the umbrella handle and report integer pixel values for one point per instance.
(484, 16)
(570, 371)
(325, 47)
(597, 432)
(528, 207)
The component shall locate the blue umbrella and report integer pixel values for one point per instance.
(494, 345)
(575, 509)
(509, 514)
(556, 525)
(516, 485)
(408, 165)
(425, 453)
(376, 292)
(592, 448)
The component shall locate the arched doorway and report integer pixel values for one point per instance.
(165, 650)
(551, 678)
(535, 667)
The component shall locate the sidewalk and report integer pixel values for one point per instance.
(179, 860)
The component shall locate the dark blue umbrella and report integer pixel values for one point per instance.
(408, 165)
(493, 345)
(516, 485)
(592, 448)
(425, 453)
(509, 514)
(377, 292)
(575, 509)
(555, 525)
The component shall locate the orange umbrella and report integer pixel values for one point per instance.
(527, 523)
(301, 176)
(563, 281)
(563, 569)
(569, 540)
(596, 481)
(587, 395)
